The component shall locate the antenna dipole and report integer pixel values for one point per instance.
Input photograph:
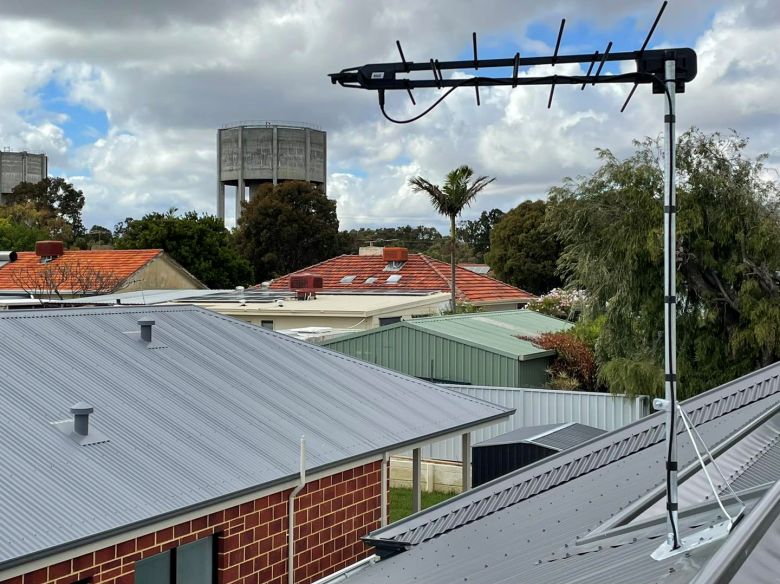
(666, 70)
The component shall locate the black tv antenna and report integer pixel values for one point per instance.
(666, 70)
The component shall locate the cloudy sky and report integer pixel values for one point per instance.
(125, 97)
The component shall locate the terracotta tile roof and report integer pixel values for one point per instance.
(121, 263)
(419, 273)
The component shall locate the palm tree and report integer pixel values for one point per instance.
(449, 200)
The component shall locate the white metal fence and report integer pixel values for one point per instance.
(537, 407)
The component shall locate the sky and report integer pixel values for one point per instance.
(126, 98)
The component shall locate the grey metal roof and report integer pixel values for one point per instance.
(524, 527)
(211, 409)
(554, 436)
(140, 297)
(567, 436)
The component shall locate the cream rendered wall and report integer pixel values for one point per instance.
(284, 320)
(162, 273)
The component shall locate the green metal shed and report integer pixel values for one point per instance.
(475, 349)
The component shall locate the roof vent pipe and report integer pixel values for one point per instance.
(146, 329)
(81, 412)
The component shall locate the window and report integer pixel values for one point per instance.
(394, 279)
(346, 280)
(389, 320)
(191, 563)
(370, 280)
(267, 324)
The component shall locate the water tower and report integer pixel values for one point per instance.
(19, 167)
(250, 154)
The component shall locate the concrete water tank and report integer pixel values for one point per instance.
(250, 154)
(19, 167)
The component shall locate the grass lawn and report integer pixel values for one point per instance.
(401, 502)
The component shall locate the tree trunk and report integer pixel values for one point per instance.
(452, 262)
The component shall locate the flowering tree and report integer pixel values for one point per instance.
(565, 304)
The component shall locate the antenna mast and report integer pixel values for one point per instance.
(666, 70)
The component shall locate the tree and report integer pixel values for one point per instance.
(416, 239)
(286, 227)
(449, 200)
(524, 249)
(97, 235)
(728, 230)
(440, 250)
(54, 197)
(574, 365)
(200, 243)
(18, 236)
(476, 234)
(63, 277)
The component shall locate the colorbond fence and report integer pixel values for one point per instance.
(538, 407)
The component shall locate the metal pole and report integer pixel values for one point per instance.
(383, 491)
(465, 443)
(291, 514)
(670, 302)
(416, 486)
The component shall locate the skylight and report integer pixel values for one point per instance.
(347, 280)
(370, 280)
(394, 279)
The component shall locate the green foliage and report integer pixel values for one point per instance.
(18, 236)
(524, 249)
(588, 330)
(574, 365)
(457, 193)
(54, 198)
(415, 239)
(728, 228)
(633, 376)
(449, 200)
(200, 243)
(96, 236)
(476, 234)
(287, 227)
(440, 250)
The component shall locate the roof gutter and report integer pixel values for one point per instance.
(254, 491)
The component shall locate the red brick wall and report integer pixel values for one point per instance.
(331, 515)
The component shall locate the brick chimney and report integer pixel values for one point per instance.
(49, 250)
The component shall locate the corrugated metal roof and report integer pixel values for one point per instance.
(567, 436)
(212, 408)
(141, 297)
(555, 436)
(494, 331)
(524, 527)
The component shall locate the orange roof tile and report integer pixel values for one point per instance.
(419, 273)
(120, 263)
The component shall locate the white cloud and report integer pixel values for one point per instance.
(168, 74)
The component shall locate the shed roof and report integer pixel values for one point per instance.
(554, 436)
(497, 332)
(419, 272)
(567, 518)
(213, 408)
